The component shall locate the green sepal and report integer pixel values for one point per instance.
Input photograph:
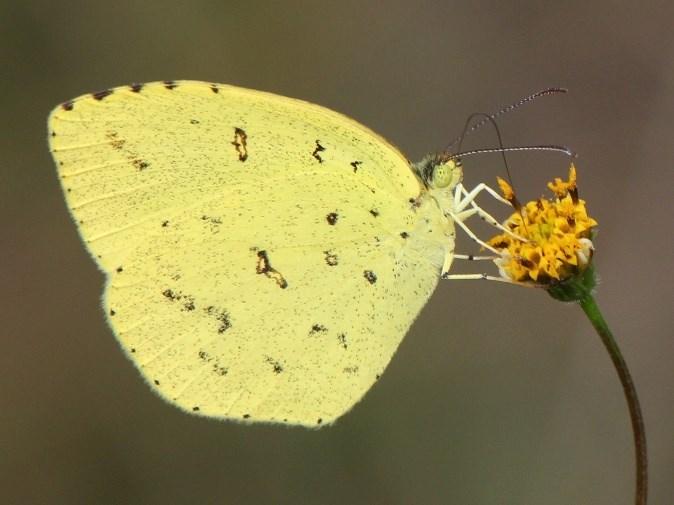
(576, 288)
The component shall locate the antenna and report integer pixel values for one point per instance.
(487, 117)
(554, 148)
(491, 118)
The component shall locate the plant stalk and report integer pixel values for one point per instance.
(589, 306)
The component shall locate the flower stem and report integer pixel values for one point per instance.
(589, 306)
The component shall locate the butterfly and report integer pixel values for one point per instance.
(264, 256)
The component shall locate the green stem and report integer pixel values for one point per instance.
(589, 306)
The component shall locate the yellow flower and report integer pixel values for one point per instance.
(561, 188)
(551, 239)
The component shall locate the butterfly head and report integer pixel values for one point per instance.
(439, 172)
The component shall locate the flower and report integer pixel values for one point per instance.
(550, 240)
(548, 244)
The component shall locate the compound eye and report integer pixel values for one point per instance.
(442, 174)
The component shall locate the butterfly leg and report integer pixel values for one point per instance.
(464, 198)
(458, 220)
(465, 207)
(471, 257)
(474, 277)
(485, 277)
(449, 257)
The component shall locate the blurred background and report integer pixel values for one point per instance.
(498, 395)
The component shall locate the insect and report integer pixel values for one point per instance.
(264, 256)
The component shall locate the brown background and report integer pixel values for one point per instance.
(498, 395)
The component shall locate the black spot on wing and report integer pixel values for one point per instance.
(214, 363)
(319, 149)
(187, 302)
(331, 258)
(318, 328)
(374, 212)
(404, 234)
(67, 105)
(140, 164)
(276, 365)
(356, 165)
(115, 142)
(119, 144)
(221, 316)
(168, 293)
(370, 276)
(213, 223)
(240, 143)
(100, 95)
(264, 268)
(210, 219)
(332, 218)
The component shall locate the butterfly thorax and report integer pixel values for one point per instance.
(435, 226)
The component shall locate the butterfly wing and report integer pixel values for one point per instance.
(263, 254)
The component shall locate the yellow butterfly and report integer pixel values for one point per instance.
(264, 256)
